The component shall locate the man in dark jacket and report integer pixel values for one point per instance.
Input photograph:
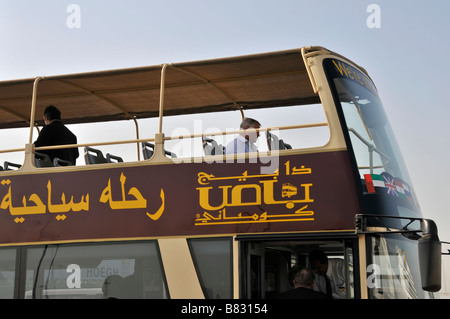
(303, 283)
(56, 133)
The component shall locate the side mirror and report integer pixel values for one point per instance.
(430, 257)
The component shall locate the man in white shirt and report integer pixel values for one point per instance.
(323, 283)
(245, 142)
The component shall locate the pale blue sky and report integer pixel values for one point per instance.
(407, 57)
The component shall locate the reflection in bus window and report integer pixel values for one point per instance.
(213, 262)
(95, 271)
(393, 270)
(7, 272)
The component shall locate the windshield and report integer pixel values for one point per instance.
(373, 142)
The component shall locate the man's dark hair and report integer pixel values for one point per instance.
(249, 122)
(318, 255)
(51, 112)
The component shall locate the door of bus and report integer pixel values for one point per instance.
(267, 266)
(255, 280)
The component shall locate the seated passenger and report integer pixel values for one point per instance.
(244, 142)
(56, 133)
(303, 283)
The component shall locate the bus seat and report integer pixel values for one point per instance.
(148, 149)
(285, 146)
(274, 143)
(113, 158)
(1, 168)
(170, 154)
(7, 166)
(42, 160)
(57, 162)
(95, 156)
(210, 147)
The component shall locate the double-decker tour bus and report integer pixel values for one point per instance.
(169, 214)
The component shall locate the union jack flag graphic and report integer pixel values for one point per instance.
(391, 188)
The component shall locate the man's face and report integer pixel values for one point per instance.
(320, 268)
(252, 133)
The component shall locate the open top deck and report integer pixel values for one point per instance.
(278, 78)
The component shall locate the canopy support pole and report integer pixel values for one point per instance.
(159, 137)
(161, 96)
(33, 108)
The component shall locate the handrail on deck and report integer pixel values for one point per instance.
(168, 138)
(54, 147)
(262, 129)
(161, 137)
(371, 149)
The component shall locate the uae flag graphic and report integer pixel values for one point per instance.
(372, 181)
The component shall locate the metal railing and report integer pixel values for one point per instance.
(371, 149)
